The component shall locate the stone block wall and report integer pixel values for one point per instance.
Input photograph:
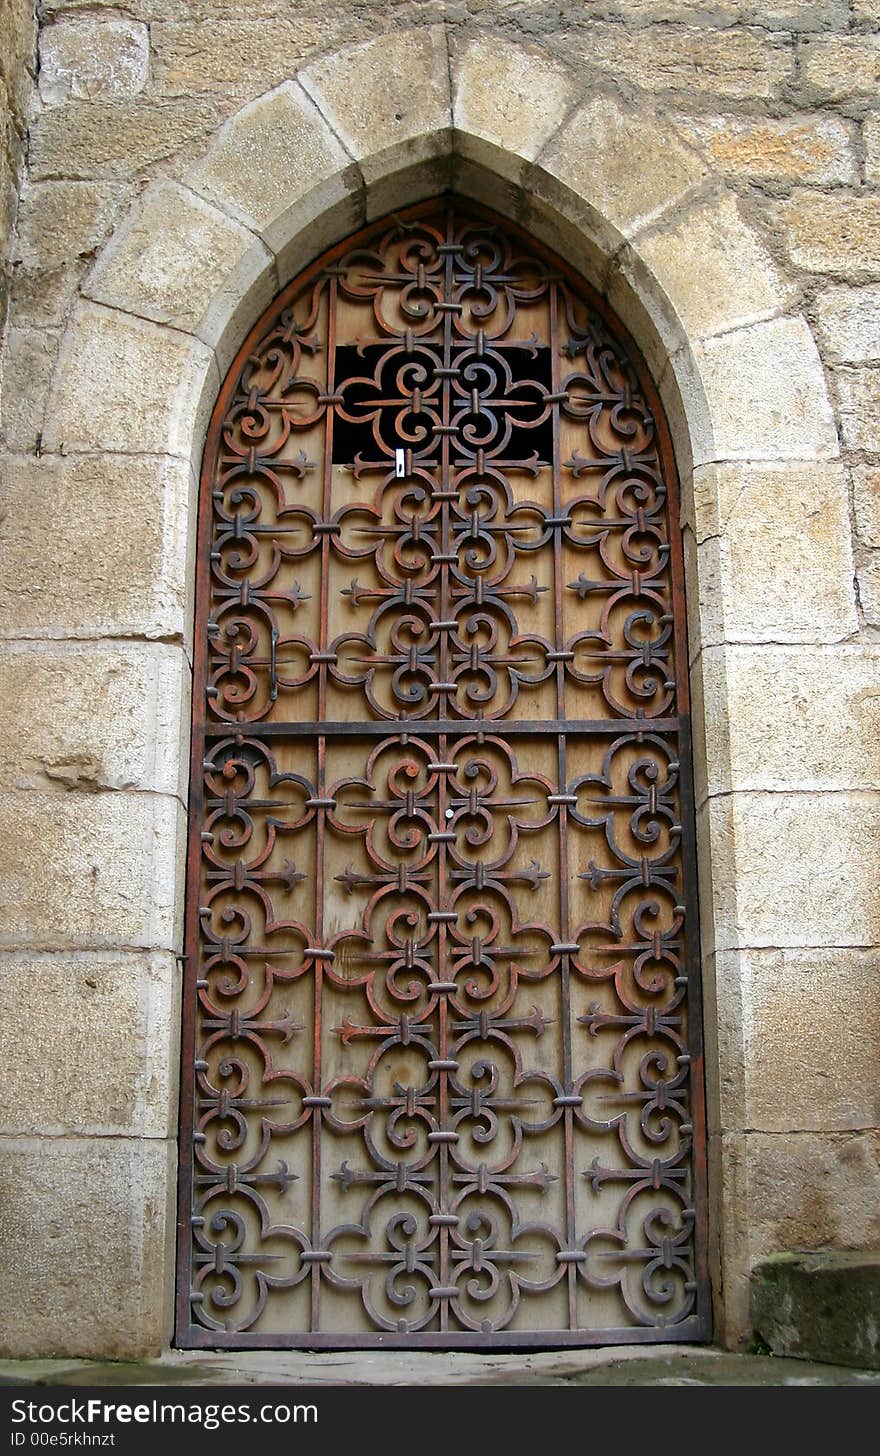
(18, 38)
(715, 167)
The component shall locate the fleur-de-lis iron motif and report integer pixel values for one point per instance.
(443, 1080)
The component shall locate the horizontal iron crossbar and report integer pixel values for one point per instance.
(433, 727)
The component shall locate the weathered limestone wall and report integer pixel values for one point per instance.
(716, 167)
(18, 36)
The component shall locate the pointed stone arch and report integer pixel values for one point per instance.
(609, 186)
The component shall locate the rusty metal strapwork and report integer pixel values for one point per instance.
(443, 1083)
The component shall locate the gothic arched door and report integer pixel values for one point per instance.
(442, 1082)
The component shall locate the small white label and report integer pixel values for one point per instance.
(400, 463)
(450, 813)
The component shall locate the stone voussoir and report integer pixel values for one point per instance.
(410, 71)
(767, 394)
(276, 166)
(737, 282)
(624, 164)
(178, 260)
(490, 80)
(126, 384)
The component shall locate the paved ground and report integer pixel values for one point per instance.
(621, 1365)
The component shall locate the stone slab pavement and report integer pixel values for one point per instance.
(620, 1365)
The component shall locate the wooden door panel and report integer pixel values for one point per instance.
(443, 1080)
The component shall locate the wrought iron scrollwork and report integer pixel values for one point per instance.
(442, 1013)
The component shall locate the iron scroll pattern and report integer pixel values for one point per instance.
(444, 1083)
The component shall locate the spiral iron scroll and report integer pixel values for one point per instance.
(442, 1017)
